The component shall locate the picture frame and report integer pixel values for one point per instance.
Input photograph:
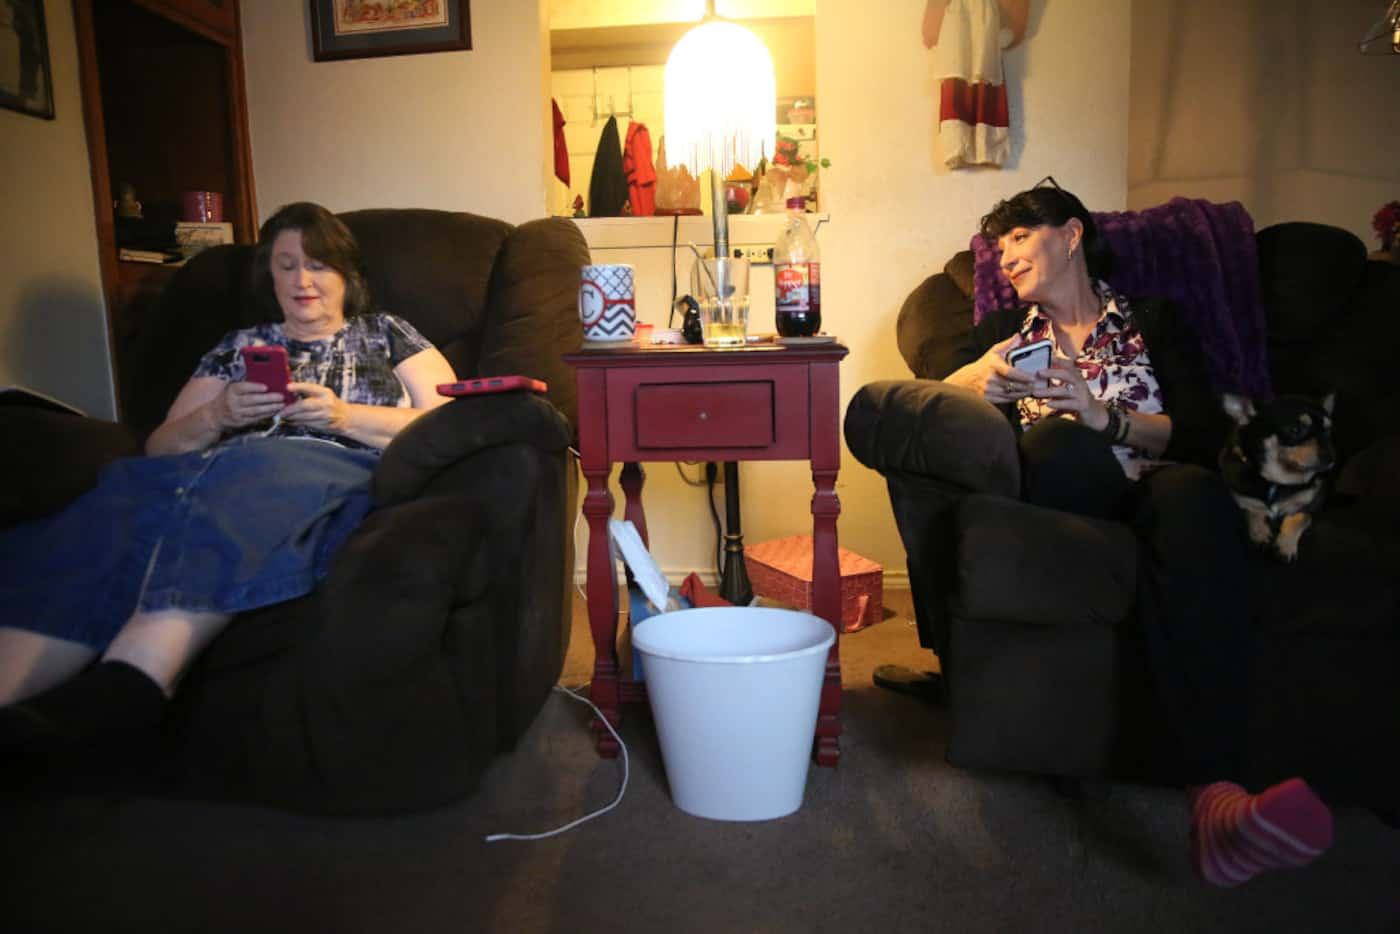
(342, 29)
(26, 79)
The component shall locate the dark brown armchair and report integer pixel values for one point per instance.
(444, 620)
(1046, 674)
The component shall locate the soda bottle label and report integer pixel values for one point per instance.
(796, 285)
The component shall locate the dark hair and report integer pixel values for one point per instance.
(324, 237)
(1050, 204)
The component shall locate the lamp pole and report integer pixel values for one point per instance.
(720, 109)
(719, 207)
(734, 583)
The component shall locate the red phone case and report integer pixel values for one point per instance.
(268, 365)
(475, 387)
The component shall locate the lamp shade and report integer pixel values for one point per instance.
(720, 99)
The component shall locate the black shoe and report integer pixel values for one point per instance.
(925, 685)
(110, 704)
(23, 727)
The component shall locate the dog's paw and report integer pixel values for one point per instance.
(1290, 533)
(1256, 521)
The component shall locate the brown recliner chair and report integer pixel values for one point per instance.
(443, 623)
(1045, 673)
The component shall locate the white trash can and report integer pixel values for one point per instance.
(734, 692)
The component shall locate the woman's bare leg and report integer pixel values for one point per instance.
(162, 643)
(31, 663)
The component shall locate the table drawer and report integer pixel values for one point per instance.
(705, 415)
(715, 413)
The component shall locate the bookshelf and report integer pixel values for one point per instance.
(165, 111)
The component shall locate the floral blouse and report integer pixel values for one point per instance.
(1115, 364)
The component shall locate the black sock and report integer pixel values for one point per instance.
(110, 703)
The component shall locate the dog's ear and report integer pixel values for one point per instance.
(1239, 408)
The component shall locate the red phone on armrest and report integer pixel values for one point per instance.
(487, 384)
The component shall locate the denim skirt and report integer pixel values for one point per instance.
(242, 525)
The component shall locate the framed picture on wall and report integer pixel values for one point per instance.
(26, 84)
(367, 28)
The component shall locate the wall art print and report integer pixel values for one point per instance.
(26, 82)
(343, 29)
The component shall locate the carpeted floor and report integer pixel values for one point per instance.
(892, 840)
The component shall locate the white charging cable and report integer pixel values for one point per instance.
(626, 771)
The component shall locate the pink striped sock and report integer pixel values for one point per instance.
(1236, 835)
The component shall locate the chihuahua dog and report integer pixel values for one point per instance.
(1274, 464)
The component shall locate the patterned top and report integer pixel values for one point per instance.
(1115, 365)
(357, 363)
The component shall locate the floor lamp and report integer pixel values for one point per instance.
(720, 109)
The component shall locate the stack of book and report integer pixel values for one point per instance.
(146, 240)
(192, 237)
(133, 255)
(173, 246)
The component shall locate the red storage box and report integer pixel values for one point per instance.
(782, 570)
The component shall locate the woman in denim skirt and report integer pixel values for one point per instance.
(242, 501)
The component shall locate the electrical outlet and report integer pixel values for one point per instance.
(756, 255)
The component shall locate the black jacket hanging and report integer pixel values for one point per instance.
(607, 189)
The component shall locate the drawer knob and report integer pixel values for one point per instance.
(704, 416)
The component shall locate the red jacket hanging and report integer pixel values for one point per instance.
(561, 151)
(641, 173)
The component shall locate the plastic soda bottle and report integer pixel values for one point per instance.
(797, 286)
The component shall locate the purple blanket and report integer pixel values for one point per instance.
(1194, 252)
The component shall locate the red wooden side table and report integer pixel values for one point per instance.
(686, 403)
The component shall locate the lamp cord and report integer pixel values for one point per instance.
(675, 240)
(711, 472)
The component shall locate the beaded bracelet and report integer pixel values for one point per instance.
(1116, 428)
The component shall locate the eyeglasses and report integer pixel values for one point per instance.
(1070, 201)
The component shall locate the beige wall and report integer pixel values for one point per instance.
(53, 328)
(1266, 103)
(454, 130)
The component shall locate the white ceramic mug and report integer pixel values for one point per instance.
(607, 303)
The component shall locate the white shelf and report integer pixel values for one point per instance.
(639, 233)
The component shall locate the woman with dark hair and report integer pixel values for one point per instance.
(1122, 424)
(242, 502)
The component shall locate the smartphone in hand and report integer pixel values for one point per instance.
(1031, 358)
(268, 365)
